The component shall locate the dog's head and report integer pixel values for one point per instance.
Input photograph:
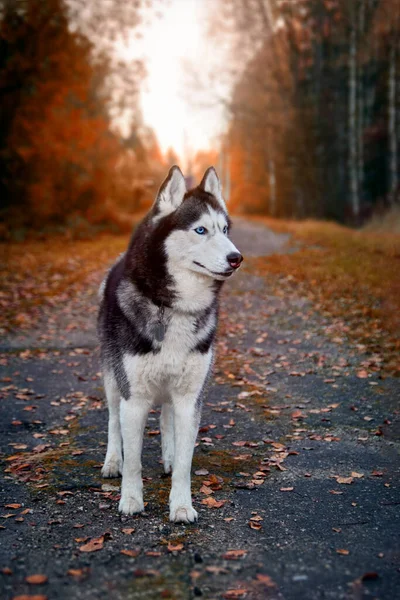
(198, 226)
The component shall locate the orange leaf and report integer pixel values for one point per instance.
(347, 480)
(36, 579)
(234, 554)
(239, 593)
(30, 597)
(176, 547)
(93, 545)
(265, 579)
(212, 502)
(131, 553)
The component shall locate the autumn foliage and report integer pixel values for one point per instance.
(60, 159)
(314, 109)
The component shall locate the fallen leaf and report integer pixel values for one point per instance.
(357, 475)
(201, 472)
(343, 551)
(128, 530)
(256, 526)
(175, 547)
(371, 575)
(36, 579)
(212, 502)
(131, 553)
(30, 597)
(234, 554)
(238, 593)
(13, 505)
(346, 480)
(363, 374)
(286, 489)
(265, 579)
(93, 545)
(77, 572)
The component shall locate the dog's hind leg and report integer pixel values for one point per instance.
(133, 414)
(113, 462)
(167, 436)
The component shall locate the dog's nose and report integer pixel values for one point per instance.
(234, 259)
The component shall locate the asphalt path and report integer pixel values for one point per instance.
(295, 475)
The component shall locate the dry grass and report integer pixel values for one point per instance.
(388, 222)
(36, 273)
(353, 275)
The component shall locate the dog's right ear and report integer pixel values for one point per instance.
(171, 193)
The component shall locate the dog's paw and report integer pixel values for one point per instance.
(183, 514)
(112, 467)
(130, 506)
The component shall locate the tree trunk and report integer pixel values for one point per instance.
(360, 136)
(272, 187)
(353, 172)
(393, 144)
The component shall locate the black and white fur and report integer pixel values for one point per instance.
(174, 273)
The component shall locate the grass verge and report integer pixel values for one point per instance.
(350, 275)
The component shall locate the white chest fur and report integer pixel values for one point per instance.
(175, 368)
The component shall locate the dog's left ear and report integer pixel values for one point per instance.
(211, 184)
(171, 192)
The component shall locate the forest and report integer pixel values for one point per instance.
(312, 112)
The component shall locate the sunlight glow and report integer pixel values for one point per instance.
(173, 40)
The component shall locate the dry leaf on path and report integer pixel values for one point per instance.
(131, 553)
(36, 579)
(212, 502)
(346, 480)
(175, 547)
(234, 554)
(239, 593)
(93, 545)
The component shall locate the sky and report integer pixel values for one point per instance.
(171, 103)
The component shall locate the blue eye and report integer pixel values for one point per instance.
(225, 229)
(201, 230)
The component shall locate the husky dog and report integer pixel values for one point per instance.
(157, 322)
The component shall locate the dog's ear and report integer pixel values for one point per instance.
(171, 192)
(211, 184)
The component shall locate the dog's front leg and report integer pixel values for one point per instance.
(113, 462)
(133, 413)
(186, 424)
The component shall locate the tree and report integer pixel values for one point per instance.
(314, 112)
(58, 154)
